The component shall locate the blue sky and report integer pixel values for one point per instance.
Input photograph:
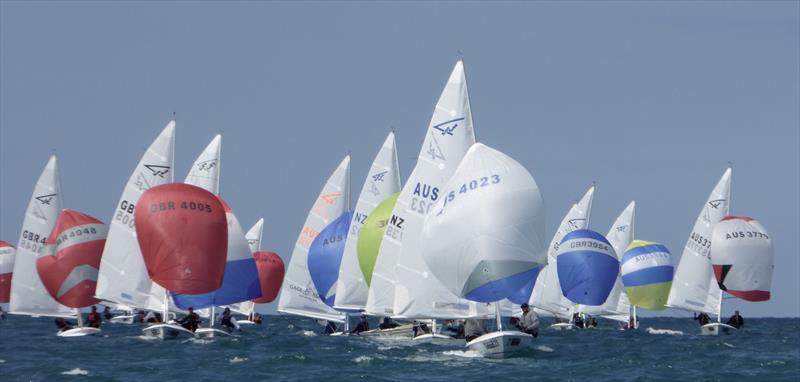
(649, 99)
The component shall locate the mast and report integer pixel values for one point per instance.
(497, 317)
(80, 317)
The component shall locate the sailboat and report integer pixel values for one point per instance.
(647, 273)
(485, 238)
(402, 286)
(742, 259)
(7, 252)
(383, 181)
(28, 294)
(240, 282)
(68, 265)
(587, 267)
(325, 257)
(298, 295)
(182, 231)
(123, 278)
(546, 293)
(694, 287)
(617, 306)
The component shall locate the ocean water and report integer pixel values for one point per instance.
(291, 349)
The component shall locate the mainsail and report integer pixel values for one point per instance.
(28, 294)
(694, 287)
(547, 290)
(298, 295)
(382, 181)
(123, 278)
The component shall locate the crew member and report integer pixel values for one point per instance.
(93, 319)
(190, 321)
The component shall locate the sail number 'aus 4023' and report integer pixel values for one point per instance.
(469, 186)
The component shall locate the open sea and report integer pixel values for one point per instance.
(768, 349)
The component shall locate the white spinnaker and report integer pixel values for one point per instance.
(694, 287)
(28, 295)
(123, 277)
(620, 235)
(205, 171)
(547, 290)
(404, 286)
(382, 181)
(487, 229)
(298, 294)
(253, 237)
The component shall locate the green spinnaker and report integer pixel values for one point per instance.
(371, 235)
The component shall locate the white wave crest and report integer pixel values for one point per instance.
(728, 345)
(664, 331)
(75, 371)
(544, 348)
(362, 359)
(463, 353)
(237, 359)
(309, 333)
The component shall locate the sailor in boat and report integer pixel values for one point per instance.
(362, 326)
(93, 319)
(330, 327)
(736, 321)
(591, 322)
(62, 324)
(190, 321)
(107, 313)
(228, 322)
(453, 328)
(421, 328)
(529, 322)
(632, 322)
(702, 318)
(388, 324)
(577, 320)
(256, 318)
(151, 317)
(473, 329)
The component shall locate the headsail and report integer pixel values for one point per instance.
(325, 257)
(743, 258)
(253, 237)
(270, 272)
(647, 274)
(206, 169)
(382, 181)
(7, 252)
(68, 268)
(587, 267)
(547, 290)
(401, 284)
(123, 277)
(694, 287)
(28, 295)
(485, 237)
(298, 295)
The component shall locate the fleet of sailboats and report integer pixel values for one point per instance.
(462, 238)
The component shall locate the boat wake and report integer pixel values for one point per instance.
(544, 348)
(664, 331)
(463, 353)
(308, 333)
(75, 371)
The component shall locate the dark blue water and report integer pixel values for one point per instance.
(663, 348)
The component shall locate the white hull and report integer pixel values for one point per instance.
(211, 333)
(167, 331)
(121, 320)
(434, 338)
(563, 326)
(245, 322)
(406, 331)
(500, 344)
(716, 328)
(79, 332)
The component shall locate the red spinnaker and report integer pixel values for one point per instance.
(6, 270)
(71, 259)
(183, 235)
(270, 273)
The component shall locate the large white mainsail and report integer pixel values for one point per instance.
(620, 235)
(399, 279)
(205, 171)
(694, 287)
(382, 181)
(28, 294)
(547, 290)
(123, 277)
(298, 294)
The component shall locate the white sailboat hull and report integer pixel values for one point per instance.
(79, 332)
(245, 322)
(716, 328)
(122, 319)
(563, 326)
(211, 333)
(500, 344)
(406, 331)
(167, 332)
(434, 338)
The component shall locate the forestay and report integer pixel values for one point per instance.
(298, 295)
(122, 277)
(485, 238)
(694, 287)
(28, 294)
(743, 258)
(547, 290)
(382, 181)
